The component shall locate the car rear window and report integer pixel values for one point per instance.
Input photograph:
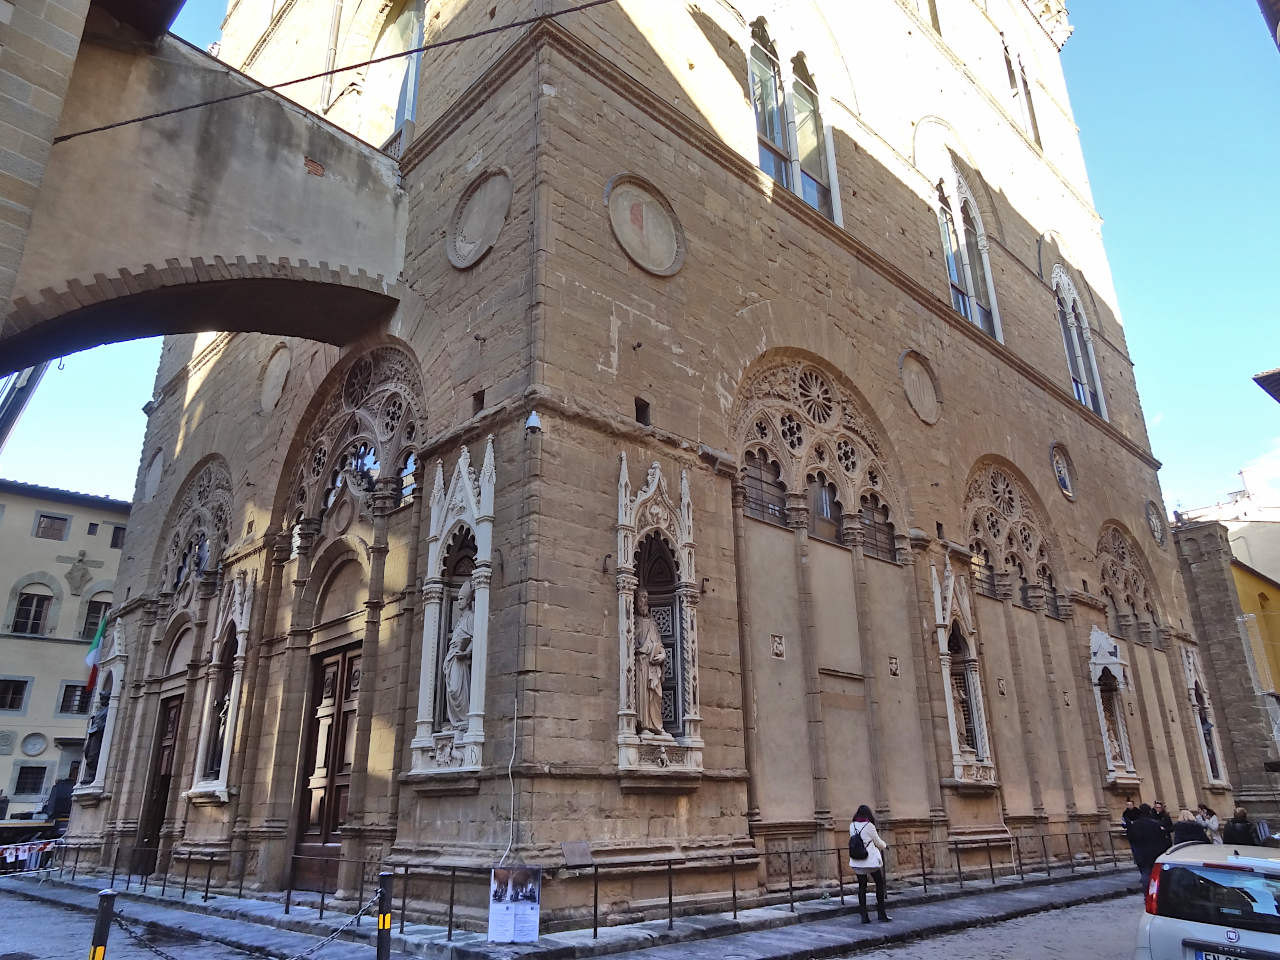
(1230, 898)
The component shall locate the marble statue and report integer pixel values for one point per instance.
(457, 659)
(651, 659)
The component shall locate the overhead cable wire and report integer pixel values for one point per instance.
(271, 88)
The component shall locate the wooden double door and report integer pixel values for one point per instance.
(159, 783)
(327, 758)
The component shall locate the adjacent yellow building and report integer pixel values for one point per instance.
(1260, 604)
(59, 551)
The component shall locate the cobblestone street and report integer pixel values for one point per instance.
(1098, 931)
(42, 931)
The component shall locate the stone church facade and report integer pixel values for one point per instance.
(754, 437)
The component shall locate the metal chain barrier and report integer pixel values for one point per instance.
(138, 938)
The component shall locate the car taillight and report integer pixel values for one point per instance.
(1153, 889)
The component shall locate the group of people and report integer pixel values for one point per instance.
(1151, 830)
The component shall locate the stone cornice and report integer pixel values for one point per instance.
(713, 148)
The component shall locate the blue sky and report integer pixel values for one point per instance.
(1176, 110)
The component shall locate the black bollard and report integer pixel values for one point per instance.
(384, 916)
(102, 924)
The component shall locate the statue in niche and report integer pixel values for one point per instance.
(1117, 753)
(457, 659)
(93, 738)
(651, 659)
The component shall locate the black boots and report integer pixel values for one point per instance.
(866, 918)
(880, 915)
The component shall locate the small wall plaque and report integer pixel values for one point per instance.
(777, 646)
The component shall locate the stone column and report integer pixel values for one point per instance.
(935, 710)
(432, 601)
(852, 533)
(1126, 625)
(121, 769)
(245, 811)
(473, 739)
(206, 590)
(383, 499)
(746, 656)
(1148, 640)
(405, 643)
(798, 521)
(274, 864)
(1030, 741)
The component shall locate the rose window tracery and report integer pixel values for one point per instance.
(373, 418)
(1125, 580)
(1001, 516)
(794, 423)
(815, 396)
(201, 528)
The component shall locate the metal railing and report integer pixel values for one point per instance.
(790, 873)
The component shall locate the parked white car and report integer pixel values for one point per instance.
(1212, 902)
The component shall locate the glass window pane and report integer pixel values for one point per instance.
(775, 165)
(981, 293)
(766, 98)
(810, 137)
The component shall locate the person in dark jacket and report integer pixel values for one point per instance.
(1187, 830)
(1130, 813)
(1146, 839)
(1240, 829)
(1161, 813)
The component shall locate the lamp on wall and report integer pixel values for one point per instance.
(533, 424)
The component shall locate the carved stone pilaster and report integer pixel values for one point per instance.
(798, 511)
(1004, 585)
(1034, 597)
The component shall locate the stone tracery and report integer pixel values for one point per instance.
(374, 420)
(1003, 524)
(803, 421)
(199, 528)
(1132, 606)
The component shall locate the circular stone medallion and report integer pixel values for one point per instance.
(1155, 520)
(645, 225)
(922, 391)
(34, 744)
(479, 217)
(1063, 471)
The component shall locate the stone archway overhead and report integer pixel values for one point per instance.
(246, 294)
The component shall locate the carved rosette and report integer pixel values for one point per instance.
(652, 510)
(467, 503)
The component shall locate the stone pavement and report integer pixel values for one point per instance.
(815, 928)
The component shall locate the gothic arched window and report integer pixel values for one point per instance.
(811, 139)
(824, 509)
(1077, 340)
(769, 103)
(766, 494)
(878, 535)
(965, 254)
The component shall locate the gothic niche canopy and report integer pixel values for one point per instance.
(455, 625)
(659, 708)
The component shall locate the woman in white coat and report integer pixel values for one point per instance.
(863, 826)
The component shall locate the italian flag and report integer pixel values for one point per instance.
(91, 658)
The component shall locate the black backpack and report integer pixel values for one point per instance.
(857, 849)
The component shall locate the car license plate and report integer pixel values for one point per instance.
(1210, 955)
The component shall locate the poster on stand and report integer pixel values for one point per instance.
(515, 904)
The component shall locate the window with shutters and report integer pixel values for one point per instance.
(878, 534)
(32, 613)
(51, 527)
(13, 694)
(766, 494)
(95, 613)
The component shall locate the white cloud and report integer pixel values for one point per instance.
(1262, 477)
